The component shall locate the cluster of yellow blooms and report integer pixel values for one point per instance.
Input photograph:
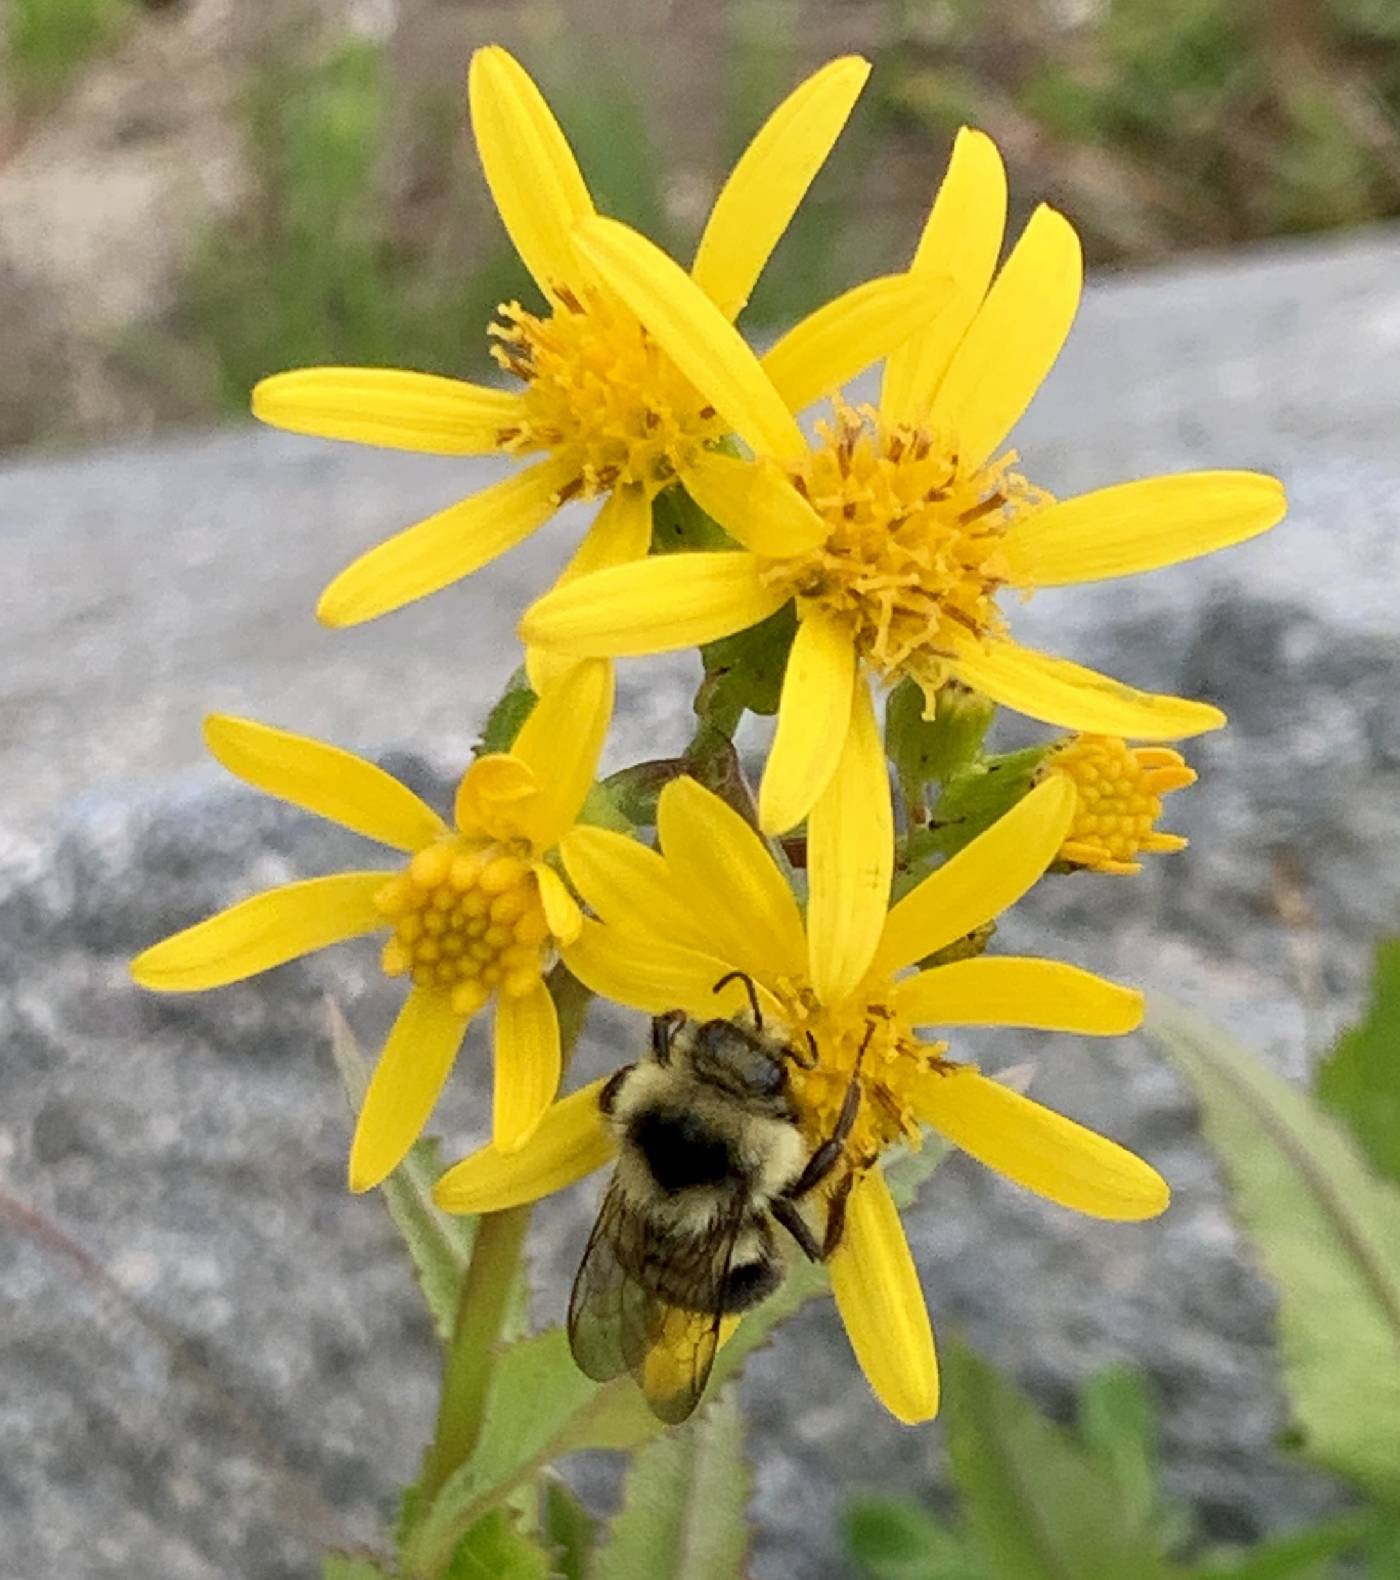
(890, 532)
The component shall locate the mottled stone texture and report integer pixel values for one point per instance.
(193, 1149)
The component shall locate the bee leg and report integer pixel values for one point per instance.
(663, 1028)
(607, 1098)
(828, 1154)
(784, 1209)
(836, 1216)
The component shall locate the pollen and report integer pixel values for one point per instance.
(602, 393)
(914, 552)
(467, 920)
(1120, 791)
(866, 1040)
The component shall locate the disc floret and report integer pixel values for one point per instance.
(1120, 789)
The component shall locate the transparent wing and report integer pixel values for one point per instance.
(612, 1322)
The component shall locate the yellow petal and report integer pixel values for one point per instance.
(813, 718)
(561, 911)
(961, 242)
(693, 332)
(627, 884)
(754, 503)
(493, 782)
(724, 873)
(323, 779)
(528, 1066)
(850, 855)
(620, 533)
(762, 193)
(560, 742)
(529, 166)
(1040, 1149)
(1003, 990)
(1013, 341)
(445, 547)
(637, 969)
(389, 407)
(1058, 692)
(985, 877)
(653, 606)
(265, 931)
(1141, 526)
(882, 1306)
(850, 333)
(405, 1086)
(573, 1139)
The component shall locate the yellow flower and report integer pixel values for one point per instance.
(894, 532)
(670, 925)
(604, 407)
(475, 914)
(1120, 791)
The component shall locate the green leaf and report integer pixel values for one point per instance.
(1301, 1555)
(924, 750)
(439, 1243)
(1118, 1425)
(678, 525)
(893, 1539)
(683, 1504)
(512, 708)
(1328, 1231)
(497, 1549)
(746, 670)
(568, 1528)
(353, 1566)
(1360, 1081)
(1038, 1507)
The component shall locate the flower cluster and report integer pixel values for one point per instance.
(889, 529)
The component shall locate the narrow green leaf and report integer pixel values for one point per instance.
(746, 670)
(1301, 1555)
(353, 1566)
(568, 1528)
(1118, 1426)
(683, 1504)
(439, 1244)
(512, 708)
(497, 1549)
(1328, 1231)
(1038, 1507)
(893, 1539)
(1360, 1080)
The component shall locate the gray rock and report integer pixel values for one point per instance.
(278, 1382)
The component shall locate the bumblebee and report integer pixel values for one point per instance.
(710, 1160)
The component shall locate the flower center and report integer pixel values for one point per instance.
(914, 552)
(868, 1041)
(467, 919)
(1120, 792)
(602, 392)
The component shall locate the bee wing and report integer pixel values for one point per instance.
(612, 1317)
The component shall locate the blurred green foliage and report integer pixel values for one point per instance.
(50, 40)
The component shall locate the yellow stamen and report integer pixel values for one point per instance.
(1120, 799)
(601, 392)
(466, 917)
(914, 554)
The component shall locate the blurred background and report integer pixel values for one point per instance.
(196, 192)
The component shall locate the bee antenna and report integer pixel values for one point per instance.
(749, 988)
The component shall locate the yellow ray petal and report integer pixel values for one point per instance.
(882, 1306)
(773, 173)
(723, 872)
(1141, 526)
(1013, 341)
(323, 779)
(627, 884)
(389, 407)
(529, 166)
(961, 241)
(653, 606)
(493, 782)
(693, 332)
(850, 855)
(561, 910)
(265, 931)
(620, 533)
(985, 877)
(1005, 990)
(405, 1085)
(528, 1066)
(850, 333)
(813, 718)
(1058, 692)
(1040, 1149)
(754, 503)
(560, 742)
(452, 544)
(637, 969)
(573, 1139)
